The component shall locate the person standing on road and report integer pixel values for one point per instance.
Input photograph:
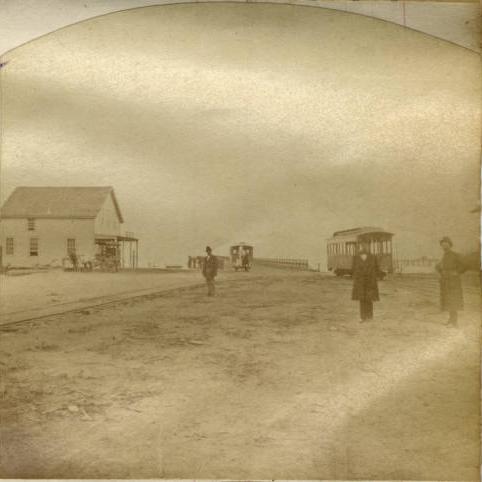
(450, 268)
(365, 282)
(210, 270)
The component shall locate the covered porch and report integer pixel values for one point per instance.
(117, 252)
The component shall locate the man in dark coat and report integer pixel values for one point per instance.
(365, 282)
(210, 270)
(450, 268)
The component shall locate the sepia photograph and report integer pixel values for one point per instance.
(241, 240)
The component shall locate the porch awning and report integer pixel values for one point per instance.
(126, 238)
(105, 237)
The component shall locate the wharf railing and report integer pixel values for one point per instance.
(283, 263)
(415, 264)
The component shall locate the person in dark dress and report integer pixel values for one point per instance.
(210, 270)
(365, 282)
(450, 268)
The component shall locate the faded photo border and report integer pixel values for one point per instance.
(454, 21)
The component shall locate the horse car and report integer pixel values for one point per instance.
(241, 256)
(342, 247)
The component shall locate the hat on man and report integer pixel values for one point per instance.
(208, 249)
(447, 240)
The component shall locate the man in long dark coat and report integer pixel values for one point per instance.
(365, 282)
(210, 270)
(450, 268)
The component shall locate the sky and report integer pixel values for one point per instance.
(275, 125)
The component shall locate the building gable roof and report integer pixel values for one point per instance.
(58, 202)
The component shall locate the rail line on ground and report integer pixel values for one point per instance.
(99, 302)
(430, 288)
(78, 309)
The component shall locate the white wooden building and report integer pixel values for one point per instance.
(41, 226)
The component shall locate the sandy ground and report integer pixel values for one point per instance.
(43, 289)
(273, 378)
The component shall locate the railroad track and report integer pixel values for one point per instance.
(98, 303)
(426, 286)
(28, 316)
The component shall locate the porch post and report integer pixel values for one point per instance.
(121, 253)
(130, 254)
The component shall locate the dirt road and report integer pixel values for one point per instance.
(53, 291)
(273, 378)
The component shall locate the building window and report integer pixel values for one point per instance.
(31, 224)
(71, 246)
(33, 246)
(9, 246)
